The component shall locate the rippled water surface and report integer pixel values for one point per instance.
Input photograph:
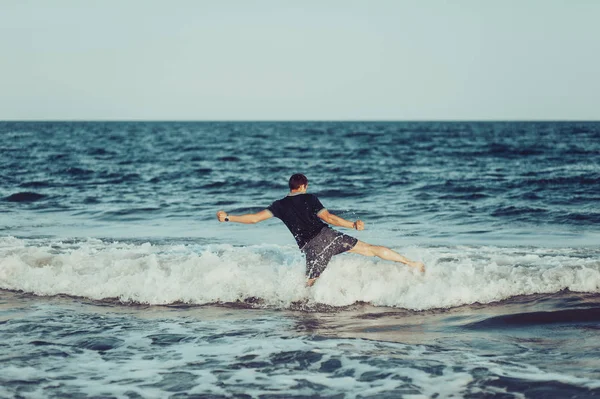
(429, 180)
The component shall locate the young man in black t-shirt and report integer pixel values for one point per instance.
(303, 214)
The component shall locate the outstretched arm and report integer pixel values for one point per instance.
(335, 220)
(250, 218)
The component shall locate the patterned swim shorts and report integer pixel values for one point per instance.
(323, 247)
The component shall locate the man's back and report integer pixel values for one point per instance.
(299, 213)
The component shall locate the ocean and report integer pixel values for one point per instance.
(117, 280)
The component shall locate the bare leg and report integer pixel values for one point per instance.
(385, 253)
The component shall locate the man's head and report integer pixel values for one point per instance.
(297, 180)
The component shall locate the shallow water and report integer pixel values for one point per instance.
(529, 346)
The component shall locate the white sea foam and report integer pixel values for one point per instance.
(165, 274)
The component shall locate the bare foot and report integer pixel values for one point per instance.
(420, 266)
(310, 282)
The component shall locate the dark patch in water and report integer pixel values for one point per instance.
(514, 211)
(229, 159)
(78, 172)
(591, 315)
(100, 344)
(215, 184)
(248, 365)
(541, 389)
(24, 197)
(100, 151)
(168, 339)
(330, 365)
(296, 359)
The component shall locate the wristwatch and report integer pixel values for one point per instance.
(227, 218)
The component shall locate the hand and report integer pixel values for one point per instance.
(359, 225)
(221, 215)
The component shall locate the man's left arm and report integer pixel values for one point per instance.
(335, 220)
(249, 218)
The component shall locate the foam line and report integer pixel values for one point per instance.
(165, 274)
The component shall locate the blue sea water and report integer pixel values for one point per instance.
(116, 280)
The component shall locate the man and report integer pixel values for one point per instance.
(303, 214)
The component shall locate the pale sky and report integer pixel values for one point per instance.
(299, 60)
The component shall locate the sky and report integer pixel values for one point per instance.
(299, 60)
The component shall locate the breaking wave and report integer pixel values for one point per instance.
(273, 276)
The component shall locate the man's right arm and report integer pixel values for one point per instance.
(335, 220)
(250, 218)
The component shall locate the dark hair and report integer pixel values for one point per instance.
(297, 180)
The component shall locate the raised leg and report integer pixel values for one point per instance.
(385, 253)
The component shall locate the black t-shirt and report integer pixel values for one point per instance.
(299, 213)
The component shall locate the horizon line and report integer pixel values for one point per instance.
(117, 120)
